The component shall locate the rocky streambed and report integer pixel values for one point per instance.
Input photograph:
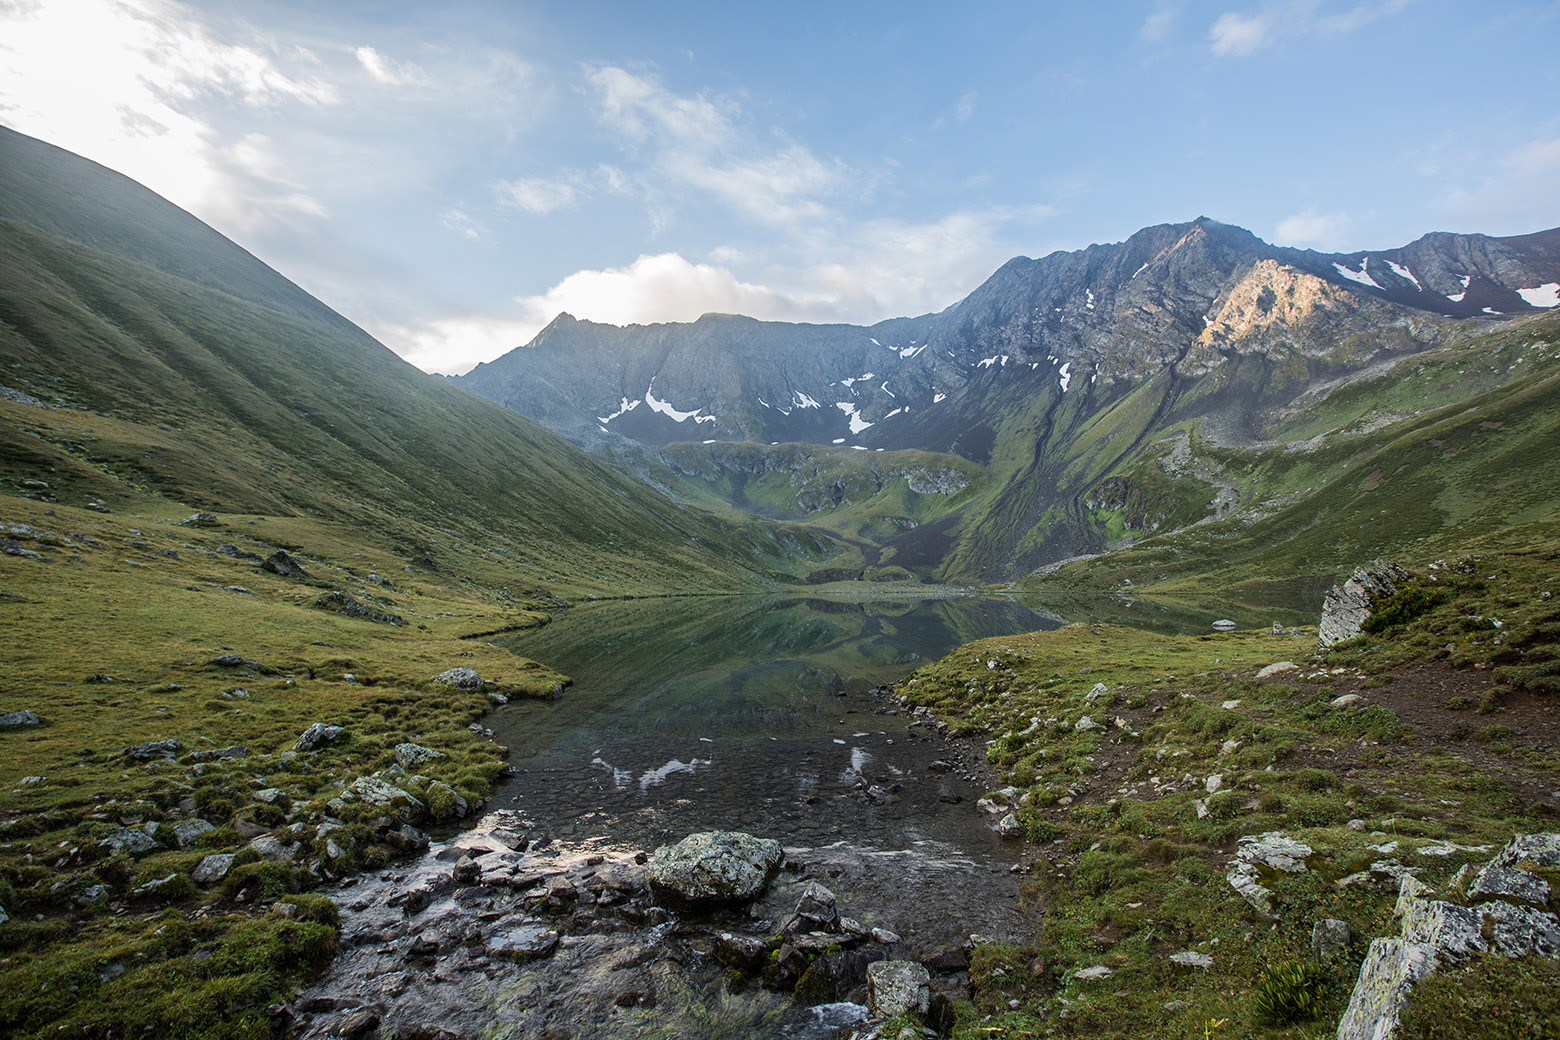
(486, 936)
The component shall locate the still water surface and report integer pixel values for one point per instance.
(744, 713)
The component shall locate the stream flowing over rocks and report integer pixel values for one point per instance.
(488, 936)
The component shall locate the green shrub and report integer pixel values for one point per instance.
(1289, 992)
(1402, 606)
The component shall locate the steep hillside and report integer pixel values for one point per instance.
(236, 392)
(1060, 378)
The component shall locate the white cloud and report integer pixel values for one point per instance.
(454, 344)
(536, 194)
(1239, 34)
(703, 145)
(123, 82)
(1325, 230)
(1157, 25)
(463, 224)
(966, 107)
(389, 71)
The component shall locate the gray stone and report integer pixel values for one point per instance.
(380, 794)
(318, 735)
(269, 795)
(212, 869)
(1009, 827)
(153, 749)
(274, 849)
(816, 910)
(1098, 971)
(411, 756)
(1272, 850)
(284, 563)
(1505, 882)
(461, 678)
(19, 719)
(1099, 690)
(1542, 850)
(202, 519)
(236, 751)
(897, 987)
(1277, 668)
(125, 839)
(714, 867)
(1346, 607)
(1348, 700)
(1085, 724)
(1436, 933)
(1330, 940)
(1192, 959)
(188, 832)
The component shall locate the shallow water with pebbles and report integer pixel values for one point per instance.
(685, 716)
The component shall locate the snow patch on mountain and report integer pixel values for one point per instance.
(1546, 295)
(857, 423)
(624, 408)
(1405, 274)
(667, 409)
(1361, 276)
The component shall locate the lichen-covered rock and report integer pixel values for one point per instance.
(411, 756)
(128, 840)
(895, 987)
(714, 867)
(1273, 850)
(1330, 940)
(1436, 933)
(317, 736)
(18, 720)
(1346, 606)
(274, 849)
(153, 749)
(384, 795)
(212, 869)
(188, 832)
(460, 678)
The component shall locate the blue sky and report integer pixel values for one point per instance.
(451, 176)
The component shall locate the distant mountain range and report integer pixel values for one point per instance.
(1049, 379)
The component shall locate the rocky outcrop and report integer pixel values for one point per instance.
(1347, 606)
(1261, 853)
(714, 867)
(460, 678)
(317, 736)
(1506, 912)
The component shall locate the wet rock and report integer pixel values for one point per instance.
(947, 960)
(19, 720)
(520, 942)
(1330, 940)
(460, 678)
(317, 736)
(411, 756)
(212, 869)
(1346, 607)
(153, 749)
(285, 564)
(714, 867)
(467, 871)
(128, 840)
(356, 1025)
(188, 832)
(816, 911)
(740, 951)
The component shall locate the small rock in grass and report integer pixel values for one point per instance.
(1277, 668)
(460, 678)
(188, 832)
(1192, 959)
(212, 869)
(1348, 700)
(1098, 971)
(18, 720)
(318, 735)
(411, 756)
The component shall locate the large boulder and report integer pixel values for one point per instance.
(714, 867)
(1347, 606)
(460, 678)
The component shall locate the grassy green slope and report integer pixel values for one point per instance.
(230, 405)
